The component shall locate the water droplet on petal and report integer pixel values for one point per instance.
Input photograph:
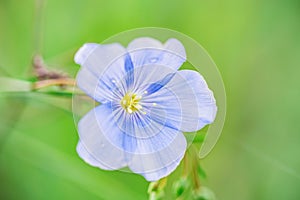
(153, 60)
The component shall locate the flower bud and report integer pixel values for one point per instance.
(157, 195)
(180, 186)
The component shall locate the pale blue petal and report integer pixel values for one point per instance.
(109, 149)
(156, 165)
(144, 43)
(165, 108)
(198, 105)
(156, 75)
(163, 172)
(89, 158)
(177, 54)
(154, 87)
(150, 130)
(104, 65)
(84, 51)
(94, 87)
(148, 51)
(93, 129)
(188, 100)
(129, 71)
(205, 101)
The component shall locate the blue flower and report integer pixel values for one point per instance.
(145, 106)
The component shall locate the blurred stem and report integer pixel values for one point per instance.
(51, 82)
(185, 165)
(195, 163)
(157, 185)
(156, 189)
(195, 175)
(163, 182)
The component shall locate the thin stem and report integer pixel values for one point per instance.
(163, 182)
(51, 82)
(195, 175)
(185, 165)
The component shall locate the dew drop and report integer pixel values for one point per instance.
(153, 60)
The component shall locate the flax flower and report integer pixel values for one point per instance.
(146, 104)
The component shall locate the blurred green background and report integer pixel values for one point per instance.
(256, 45)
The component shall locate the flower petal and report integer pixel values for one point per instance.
(196, 107)
(177, 53)
(104, 65)
(205, 101)
(129, 71)
(103, 145)
(163, 172)
(84, 51)
(148, 51)
(156, 165)
(144, 43)
(92, 129)
(196, 99)
(150, 128)
(154, 87)
(89, 158)
(89, 83)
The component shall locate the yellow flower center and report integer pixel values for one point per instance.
(130, 102)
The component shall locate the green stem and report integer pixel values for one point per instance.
(195, 164)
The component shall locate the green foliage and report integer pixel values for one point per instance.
(203, 193)
(180, 186)
(156, 189)
(201, 172)
(200, 135)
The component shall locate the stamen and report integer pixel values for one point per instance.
(138, 97)
(131, 103)
(139, 107)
